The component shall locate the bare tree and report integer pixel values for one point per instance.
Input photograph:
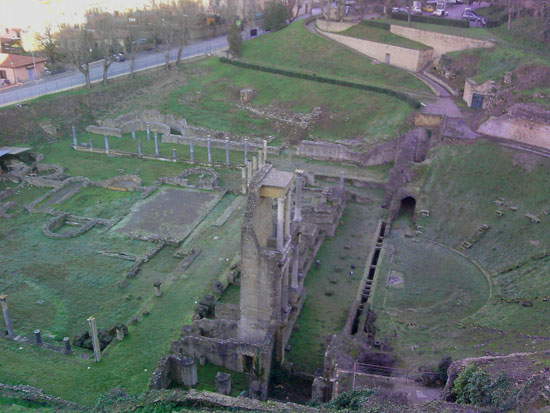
(185, 11)
(49, 46)
(102, 25)
(77, 45)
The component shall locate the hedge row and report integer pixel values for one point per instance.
(314, 77)
(380, 25)
(432, 20)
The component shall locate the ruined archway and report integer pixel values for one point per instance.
(407, 207)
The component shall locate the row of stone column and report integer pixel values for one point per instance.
(37, 333)
(262, 155)
(252, 166)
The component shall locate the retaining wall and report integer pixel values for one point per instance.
(408, 59)
(519, 130)
(326, 151)
(330, 26)
(441, 43)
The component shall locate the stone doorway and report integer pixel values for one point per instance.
(407, 207)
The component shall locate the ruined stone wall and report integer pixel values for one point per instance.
(325, 151)
(405, 58)
(440, 42)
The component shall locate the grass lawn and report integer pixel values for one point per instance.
(377, 34)
(212, 98)
(55, 284)
(295, 47)
(460, 188)
(329, 287)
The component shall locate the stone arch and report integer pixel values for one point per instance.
(407, 206)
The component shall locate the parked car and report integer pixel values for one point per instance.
(417, 7)
(440, 12)
(428, 8)
(473, 17)
(119, 57)
(400, 10)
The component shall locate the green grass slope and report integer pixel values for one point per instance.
(296, 47)
(377, 34)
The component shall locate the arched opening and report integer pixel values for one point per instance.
(408, 204)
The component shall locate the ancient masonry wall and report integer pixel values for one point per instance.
(441, 43)
(408, 59)
(326, 151)
(519, 130)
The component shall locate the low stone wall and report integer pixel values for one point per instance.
(440, 42)
(408, 59)
(58, 221)
(326, 151)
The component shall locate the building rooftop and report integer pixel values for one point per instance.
(12, 150)
(14, 60)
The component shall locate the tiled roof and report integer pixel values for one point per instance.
(14, 60)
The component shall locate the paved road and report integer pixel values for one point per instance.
(74, 78)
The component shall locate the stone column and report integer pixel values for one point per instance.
(209, 147)
(342, 183)
(244, 180)
(294, 283)
(6, 313)
(288, 209)
(298, 195)
(67, 346)
(254, 164)
(223, 383)
(156, 286)
(260, 160)
(249, 173)
(191, 152)
(134, 135)
(189, 371)
(148, 133)
(227, 159)
(265, 150)
(91, 145)
(95, 339)
(75, 141)
(245, 150)
(37, 337)
(280, 223)
(119, 333)
(106, 140)
(157, 150)
(174, 155)
(139, 148)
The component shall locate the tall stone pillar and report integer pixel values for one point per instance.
(265, 150)
(191, 152)
(296, 264)
(6, 313)
(254, 164)
(288, 209)
(134, 135)
(298, 196)
(227, 159)
(148, 133)
(245, 150)
(75, 141)
(139, 148)
(106, 140)
(244, 180)
(280, 223)
(223, 383)
(189, 375)
(157, 150)
(91, 144)
(95, 339)
(249, 172)
(209, 147)
(174, 155)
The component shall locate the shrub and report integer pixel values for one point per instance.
(432, 20)
(352, 400)
(275, 16)
(474, 386)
